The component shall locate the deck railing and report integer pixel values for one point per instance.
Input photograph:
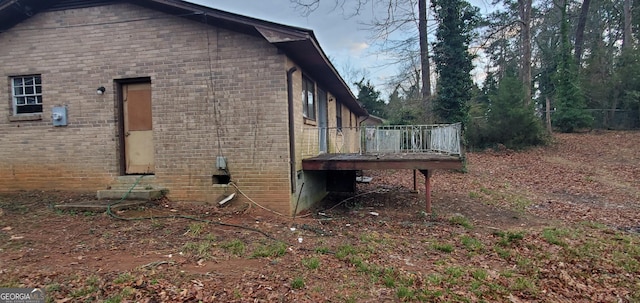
(388, 139)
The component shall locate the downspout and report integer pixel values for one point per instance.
(365, 119)
(292, 129)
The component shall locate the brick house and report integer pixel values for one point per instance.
(191, 96)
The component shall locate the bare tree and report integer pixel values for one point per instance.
(424, 60)
(525, 40)
(398, 16)
(582, 21)
(626, 38)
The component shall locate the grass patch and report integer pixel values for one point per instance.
(405, 293)
(389, 276)
(370, 237)
(198, 250)
(322, 250)
(520, 203)
(54, 287)
(11, 283)
(297, 283)
(554, 235)
(502, 252)
(311, 263)
(509, 238)
(114, 299)
(454, 273)
(85, 291)
(195, 229)
(277, 249)
(527, 265)
(124, 293)
(461, 220)
(344, 251)
(525, 285)
(471, 244)
(443, 247)
(123, 278)
(235, 247)
(434, 279)
(480, 274)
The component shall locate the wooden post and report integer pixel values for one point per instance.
(427, 188)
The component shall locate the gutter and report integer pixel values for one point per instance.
(8, 4)
(292, 129)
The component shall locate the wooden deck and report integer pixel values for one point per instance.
(417, 161)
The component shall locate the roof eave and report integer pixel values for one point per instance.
(298, 43)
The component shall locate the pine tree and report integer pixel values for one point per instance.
(369, 97)
(456, 21)
(570, 102)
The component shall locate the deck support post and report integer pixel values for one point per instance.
(427, 189)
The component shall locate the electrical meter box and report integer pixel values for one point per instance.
(221, 162)
(59, 115)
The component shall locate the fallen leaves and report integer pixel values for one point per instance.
(538, 225)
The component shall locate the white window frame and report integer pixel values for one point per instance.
(26, 91)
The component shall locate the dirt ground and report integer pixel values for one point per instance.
(552, 224)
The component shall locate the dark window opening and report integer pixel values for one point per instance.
(221, 179)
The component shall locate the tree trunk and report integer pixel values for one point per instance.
(424, 60)
(626, 40)
(525, 37)
(582, 21)
(548, 114)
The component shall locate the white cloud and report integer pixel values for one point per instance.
(356, 48)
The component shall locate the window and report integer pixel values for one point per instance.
(338, 115)
(308, 99)
(27, 94)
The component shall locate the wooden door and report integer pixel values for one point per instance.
(139, 150)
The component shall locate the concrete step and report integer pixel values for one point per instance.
(126, 182)
(145, 189)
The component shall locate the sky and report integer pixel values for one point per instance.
(344, 39)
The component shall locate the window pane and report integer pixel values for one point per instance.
(28, 109)
(31, 100)
(28, 81)
(21, 100)
(39, 99)
(28, 90)
(17, 81)
(304, 102)
(17, 91)
(310, 104)
(38, 89)
(38, 80)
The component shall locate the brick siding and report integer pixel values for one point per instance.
(241, 108)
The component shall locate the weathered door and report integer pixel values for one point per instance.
(138, 131)
(322, 120)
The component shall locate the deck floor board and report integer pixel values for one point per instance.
(419, 161)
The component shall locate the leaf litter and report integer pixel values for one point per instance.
(549, 224)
